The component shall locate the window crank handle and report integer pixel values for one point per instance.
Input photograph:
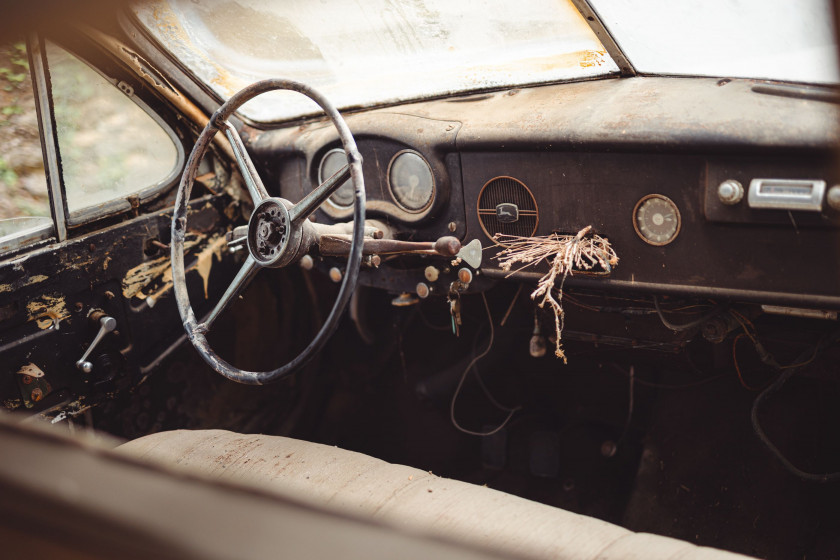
(106, 325)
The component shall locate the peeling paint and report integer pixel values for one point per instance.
(47, 310)
(160, 270)
(142, 275)
(31, 370)
(25, 282)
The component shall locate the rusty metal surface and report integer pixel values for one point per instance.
(336, 245)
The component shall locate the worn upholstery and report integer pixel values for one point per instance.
(407, 497)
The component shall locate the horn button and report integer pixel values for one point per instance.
(270, 233)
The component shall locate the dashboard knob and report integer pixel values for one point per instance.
(431, 273)
(422, 290)
(730, 192)
(833, 197)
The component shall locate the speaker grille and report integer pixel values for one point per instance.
(507, 190)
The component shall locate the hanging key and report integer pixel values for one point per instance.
(455, 312)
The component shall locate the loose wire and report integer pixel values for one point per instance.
(775, 387)
(687, 326)
(472, 363)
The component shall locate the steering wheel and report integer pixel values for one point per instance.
(279, 232)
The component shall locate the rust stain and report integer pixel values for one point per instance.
(26, 282)
(590, 59)
(47, 310)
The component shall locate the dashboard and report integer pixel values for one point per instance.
(704, 187)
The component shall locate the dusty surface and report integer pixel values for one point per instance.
(23, 186)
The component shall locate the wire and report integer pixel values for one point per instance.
(735, 361)
(775, 387)
(510, 307)
(511, 411)
(687, 326)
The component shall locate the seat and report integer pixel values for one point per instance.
(406, 498)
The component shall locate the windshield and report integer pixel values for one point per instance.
(373, 52)
(789, 40)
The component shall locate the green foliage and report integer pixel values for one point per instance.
(7, 174)
(15, 73)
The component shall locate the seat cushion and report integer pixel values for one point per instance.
(406, 497)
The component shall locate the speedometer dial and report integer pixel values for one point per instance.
(411, 181)
(331, 163)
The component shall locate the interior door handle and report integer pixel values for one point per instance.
(106, 325)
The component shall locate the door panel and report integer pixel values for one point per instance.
(51, 301)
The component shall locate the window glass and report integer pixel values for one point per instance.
(110, 147)
(376, 51)
(24, 202)
(774, 39)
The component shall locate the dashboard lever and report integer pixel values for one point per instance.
(106, 325)
(339, 245)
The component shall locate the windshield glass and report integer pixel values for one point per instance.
(373, 52)
(790, 40)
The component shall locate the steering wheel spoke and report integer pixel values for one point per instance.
(240, 281)
(317, 197)
(252, 179)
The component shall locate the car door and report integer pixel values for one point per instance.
(86, 305)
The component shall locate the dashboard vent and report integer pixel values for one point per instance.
(507, 191)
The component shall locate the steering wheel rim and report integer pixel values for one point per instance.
(295, 224)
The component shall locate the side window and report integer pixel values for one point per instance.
(110, 147)
(24, 201)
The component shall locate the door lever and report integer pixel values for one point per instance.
(106, 325)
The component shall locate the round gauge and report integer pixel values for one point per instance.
(331, 163)
(411, 181)
(656, 219)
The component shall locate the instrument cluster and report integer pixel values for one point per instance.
(400, 182)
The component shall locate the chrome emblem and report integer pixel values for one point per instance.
(507, 212)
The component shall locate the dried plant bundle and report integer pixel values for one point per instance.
(564, 253)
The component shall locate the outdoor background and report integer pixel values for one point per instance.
(23, 185)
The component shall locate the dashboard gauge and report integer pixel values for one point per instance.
(331, 163)
(411, 181)
(656, 219)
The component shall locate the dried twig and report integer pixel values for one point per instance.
(564, 253)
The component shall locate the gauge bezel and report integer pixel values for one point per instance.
(321, 178)
(393, 195)
(636, 221)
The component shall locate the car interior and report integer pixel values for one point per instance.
(299, 293)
